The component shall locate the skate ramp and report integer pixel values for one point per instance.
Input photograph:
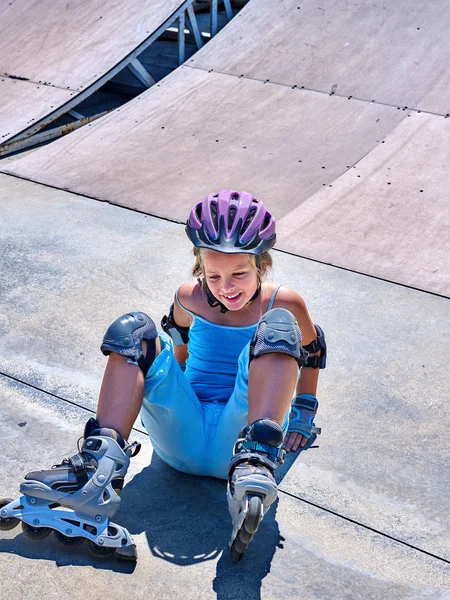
(203, 129)
(52, 54)
(381, 460)
(195, 130)
(389, 53)
(389, 216)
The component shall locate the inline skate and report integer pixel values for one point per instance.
(251, 483)
(76, 498)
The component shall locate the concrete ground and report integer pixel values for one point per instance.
(363, 516)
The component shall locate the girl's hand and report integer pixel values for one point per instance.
(293, 441)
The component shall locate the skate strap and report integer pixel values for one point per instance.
(135, 448)
(261, 457)
(272, 452)
(250, 459)
(77, 463)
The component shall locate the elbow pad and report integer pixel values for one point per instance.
(318, 345)
(179, 335)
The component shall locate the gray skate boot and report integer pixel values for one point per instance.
(77, 498)
(251, 483)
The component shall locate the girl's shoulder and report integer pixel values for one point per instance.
(292, 301)
(289, 299)
(189, 297)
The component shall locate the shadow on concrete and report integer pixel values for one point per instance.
(51, 550)
(186, 521)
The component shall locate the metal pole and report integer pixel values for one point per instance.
(181, 38)
(228, 9)
(141, 73)
(214, 16)
(194, 27)
(47, 136)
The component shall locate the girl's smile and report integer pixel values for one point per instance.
(232, 299)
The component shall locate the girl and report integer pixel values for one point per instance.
(213, 389)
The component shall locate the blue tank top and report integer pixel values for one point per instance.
(214, 351)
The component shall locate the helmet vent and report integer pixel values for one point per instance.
(214, 215)
(198, 212)
(248, 220)
(266, 221)
(231, 215)
(235, 196)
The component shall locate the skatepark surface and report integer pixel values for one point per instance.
(92, 228)
(41, 71)
(366, 511)
(239, 109)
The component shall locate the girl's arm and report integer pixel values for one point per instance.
(307, 384)
(182, 319)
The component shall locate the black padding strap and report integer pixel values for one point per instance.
(135, 448)
(145, 361)
(78, 464)
(318, 345)
(179, 335)
(313, 362)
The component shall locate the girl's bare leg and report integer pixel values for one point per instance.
(121, 393)
(271, 385)
(252, 487)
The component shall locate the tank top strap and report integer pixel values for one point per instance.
(183, 307)
(272, 298)
(269, 307)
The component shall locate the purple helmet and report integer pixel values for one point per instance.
(231, 222)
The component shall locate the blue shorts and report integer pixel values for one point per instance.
(192, 436)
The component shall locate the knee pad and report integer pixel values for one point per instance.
(125, 337)
(278, 331)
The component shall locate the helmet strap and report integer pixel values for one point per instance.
(257, 293)
(212, 300)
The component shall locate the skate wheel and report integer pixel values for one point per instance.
(245, 536)
(127, 553)
(7, 523)
(239, 545)
(65, 540)
(100, 551)
(35, 533)
(254, 514)
(235, 554)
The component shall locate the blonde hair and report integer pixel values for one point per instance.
(261, 263)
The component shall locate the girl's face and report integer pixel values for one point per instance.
(231, 277)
